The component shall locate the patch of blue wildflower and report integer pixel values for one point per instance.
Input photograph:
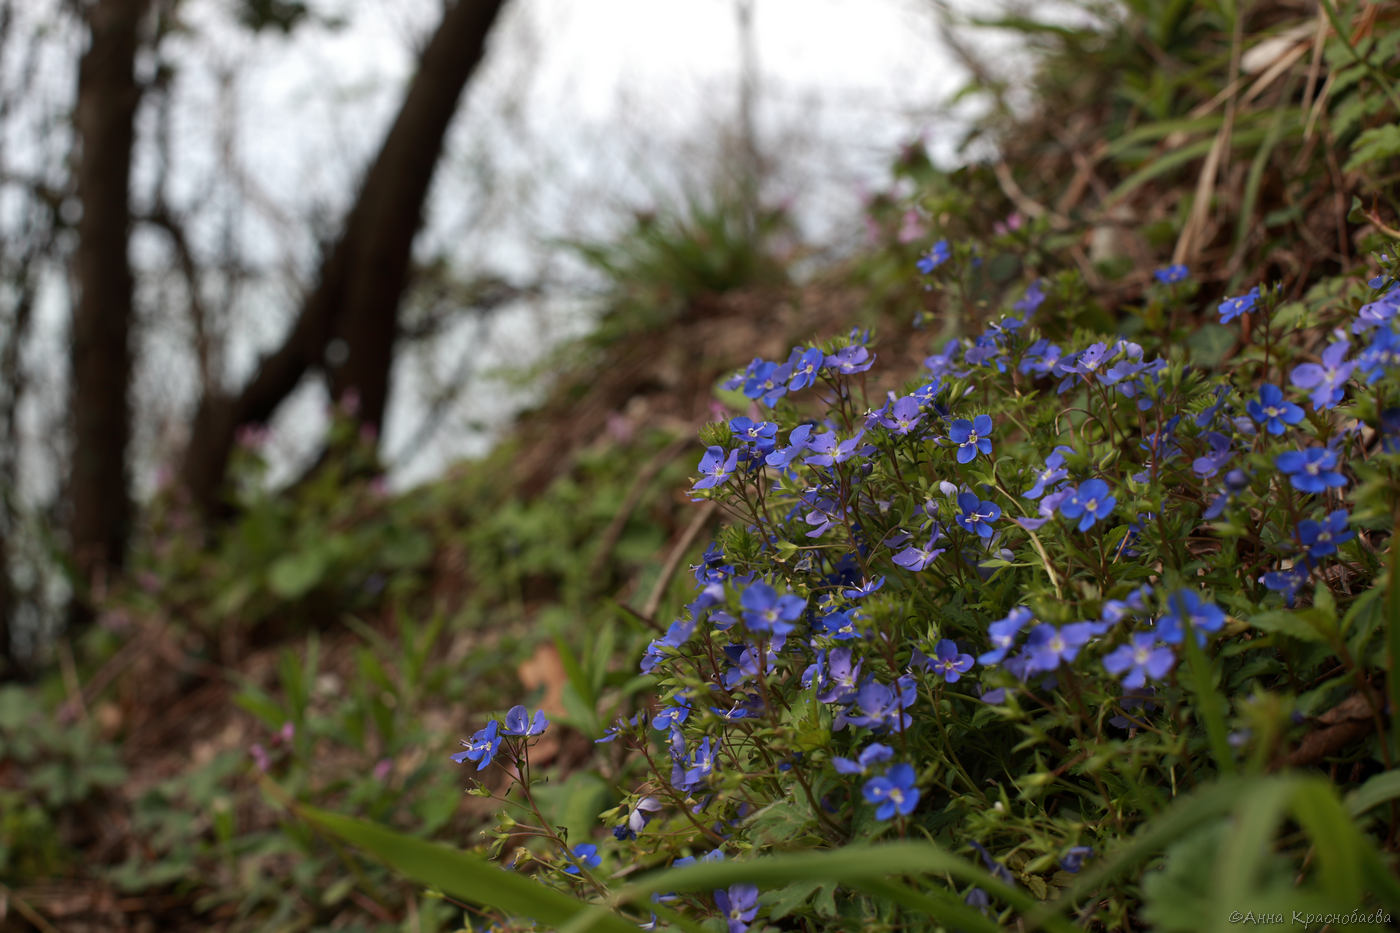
(978, 607)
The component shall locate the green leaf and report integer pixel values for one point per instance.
(1379, 142)
(461, 874)
(296, 574)
(1286, 622)
(864, 868)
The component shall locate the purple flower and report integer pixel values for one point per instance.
(1273, 411)
(1184, 606)
(738, 906)
(1321, 538)
(716, 467)
(1381, 354)
(882, 706)
(934, 258)
(1311, 470)
(1328, 379)
(852, 359)
(1074, 858)
(904, 415)
(1232, 308)
(918, 558)
(893, 793)
(637, 818)
(766, 611)
(1048, 646)
(1141, 658)
(482, 747)
(1288, 581)
(948, 663)
(865, 589)
(827, 450)
(1003, 633)
(971, 436)
(1170, 275)
(1054, 472)
(585, 854)
(806, 368)
(1089, 503)
(761, 435)
(1220, 453)
(977, 513)
(671, 716)
(518, 722)
(873, 754)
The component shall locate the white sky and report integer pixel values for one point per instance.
(581, 110)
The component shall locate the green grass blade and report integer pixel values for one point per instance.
(865, 868)
(460, 874)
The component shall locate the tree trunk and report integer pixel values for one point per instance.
(362, 280)
(100, 340)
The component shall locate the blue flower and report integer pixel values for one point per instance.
(716, 467)
(518, 722)
(1311, 470)
(1003, 633)
(761, 435)
(1184, 606)
(1288, 581)
(1141, 658)
(948, 663)
(670, 716)
(873, 754)
(1328, 378)
(1048, 646)
(1170, 275)
(934, 258)
(806, 368)
(977, 513)
(849, 360)
(482, 747)
(586, 855)
(1074, 858)
(893, 793)
(766, 611)
(1220, 453)
(1232, 308)
(1089, 503)
(904, 415)
(1321, 538)
(865, 589)
(1273, 411)
(738, 905)
(971, 436)
(918, 558)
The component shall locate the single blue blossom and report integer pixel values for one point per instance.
(585, 854)
(1326, 379)
(766, 611)
(1141, 658)
(1048, 646)
(934, 258)
(977, 514)
(482, 746)
(971, 436)
(873, 754)
(1273, 411)
(893, 793)
(1170, 275)
(738, 905)
(1321, 538)
(1232, 308)
(1089, 503)
(1311, 470)
(518, 722)
(1003, 633)
(716, 467)
(948, 663)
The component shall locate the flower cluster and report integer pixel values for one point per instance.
(1006, 579)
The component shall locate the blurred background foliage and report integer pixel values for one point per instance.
(341, 637)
